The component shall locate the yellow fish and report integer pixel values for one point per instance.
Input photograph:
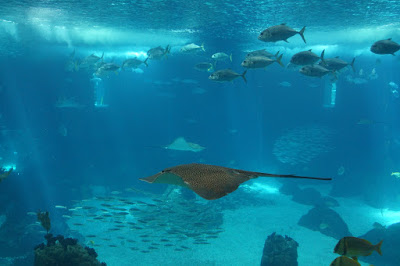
(344, 261)
(353, 247)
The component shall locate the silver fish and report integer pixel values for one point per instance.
(280, 33)
(226, 75)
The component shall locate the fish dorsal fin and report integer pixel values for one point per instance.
(283, 23)
(389, 39)
(310, 50)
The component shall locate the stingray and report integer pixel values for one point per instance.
(210, 181)
(180, 144)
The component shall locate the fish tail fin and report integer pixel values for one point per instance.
(278, 60)
(244, 76)
(230, 57)
(352, 65)
(145, 62)
(301, 32)
(167, 51)
(378, 247)
(322, 56)
(102, 56)
(277, 54)
(202, 47)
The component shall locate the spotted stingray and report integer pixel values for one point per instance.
(210, 181)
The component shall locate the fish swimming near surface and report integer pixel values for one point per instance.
(204, 66)
(210, 181)
(5, 174)
(221, 56)
(344, 261)
(260, 61)
(158, 52)
(385, 47)
(192, 48)
(315, 71)
(90, 61)
(306, 58)
(354, 247)
(225, 75)
(134, 63)
(261, 52)
(280, 33)
(105, 69)
(336, 64)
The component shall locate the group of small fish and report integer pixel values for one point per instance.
(96, 64)
(350, 248)
(143, 226)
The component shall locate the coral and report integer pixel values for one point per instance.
(64, 252)
(44, 219)
(301, 145)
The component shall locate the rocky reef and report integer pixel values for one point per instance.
(64, 252)
(326, 221)
(279, 251)
(390, 246)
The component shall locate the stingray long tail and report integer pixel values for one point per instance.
(292, 176)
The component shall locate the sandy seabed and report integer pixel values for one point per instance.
(245, 231)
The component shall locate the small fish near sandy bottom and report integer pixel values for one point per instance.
(210, 181)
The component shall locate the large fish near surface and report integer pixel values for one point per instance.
(336, 64)
(261, 52)
(158, 52)
(306, 58)
(385, 47)
(192, 48)
(90, 61)
(260, 61)
(225, 75)
(314, 71)
(105, 69)
(134, 63)
(280, 33)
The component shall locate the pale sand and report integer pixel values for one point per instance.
(245, 232)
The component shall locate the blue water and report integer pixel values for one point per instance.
(61, 153)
